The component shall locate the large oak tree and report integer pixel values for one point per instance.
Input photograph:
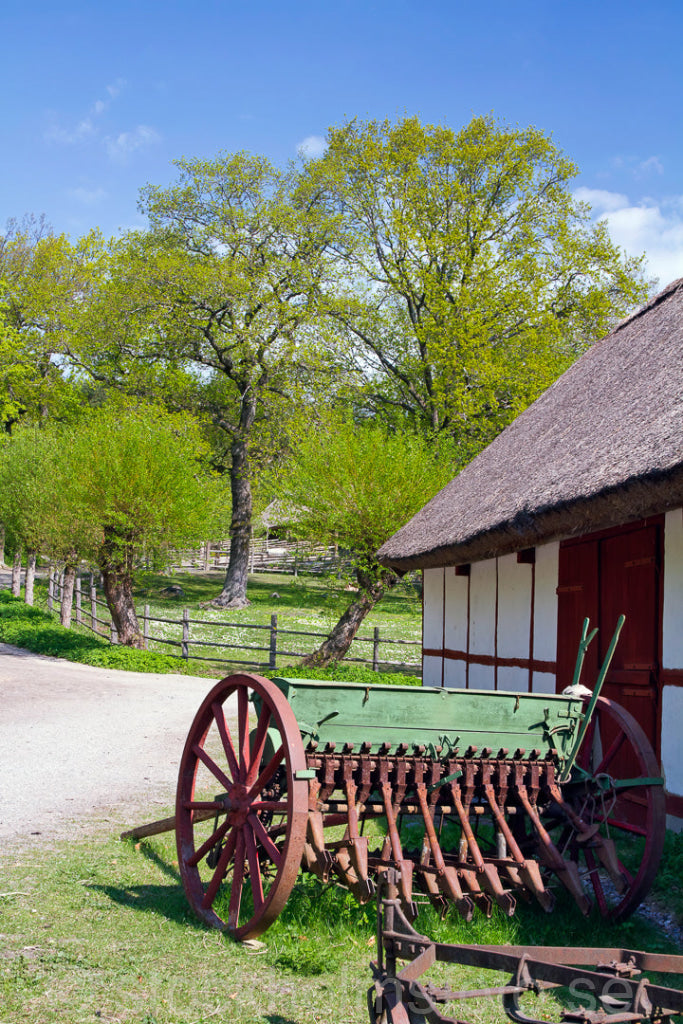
(472, 276)
(214, 308)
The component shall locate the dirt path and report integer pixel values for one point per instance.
(83, 748)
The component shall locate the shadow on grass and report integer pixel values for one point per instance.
(164, 900)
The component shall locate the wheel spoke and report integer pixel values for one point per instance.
(237, 882)
(202, 805)
(625, 826)
(584, 758)
(254, 870)
(221, 869)
(212, 766)
(596, 882)
(265, 840)
(278, 806)
(267, 773)
(258, 745)
(210, 842)
(219, 716)
(243, 730)
(611, 753)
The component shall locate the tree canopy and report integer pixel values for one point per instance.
(472, 277)
(356, 484)
(214, 306)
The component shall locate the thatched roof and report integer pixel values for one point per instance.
(601, 447)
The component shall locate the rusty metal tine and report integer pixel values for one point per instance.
(566, 871)
(447, 876)
(528, 869)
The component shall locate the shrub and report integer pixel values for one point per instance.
(37, 631)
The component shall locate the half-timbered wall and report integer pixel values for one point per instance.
(672, 657)
(492, 625)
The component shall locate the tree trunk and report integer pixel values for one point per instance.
(234, 592)
(16, 573)
(30, 576)
(341, 637)
(67, 595)
(2, 546)
(116, 566)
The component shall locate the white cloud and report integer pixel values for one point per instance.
(652, 227)
(601, 199)
(652, 164)
(89, 197)
(312, 147)
(87, 126)
(68, 136)
(115, 88)
(122, 145)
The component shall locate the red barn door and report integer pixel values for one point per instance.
(603, 576)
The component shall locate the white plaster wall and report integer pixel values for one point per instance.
(482, 608)
(456, 611)
(432, 634)
(515, 679)
(672, 749)
(543, 682)
(481, 677)
(432, 671)
(454, 674)
(545, 603)
(672, 625)
(514, 608)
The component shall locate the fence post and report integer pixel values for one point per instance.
(50, 589)
(145, 626)
(78, 599)
(273, 641)
(93, 607)
(207, 556)
(184, 647)
(375, 649)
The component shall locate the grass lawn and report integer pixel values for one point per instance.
(308, 604)
(100, 930)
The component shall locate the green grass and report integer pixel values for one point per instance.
(100, 930)
(303, 603)
(38, 631)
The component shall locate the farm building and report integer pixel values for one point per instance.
(575, 510)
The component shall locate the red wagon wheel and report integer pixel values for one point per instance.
(239, 849)
(617, 786)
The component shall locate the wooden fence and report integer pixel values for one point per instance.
(265, 555)
(86, 613)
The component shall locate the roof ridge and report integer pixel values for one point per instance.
(673, 286)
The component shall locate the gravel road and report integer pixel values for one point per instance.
(85, 748)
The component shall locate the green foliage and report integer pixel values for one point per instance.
(357, 483)
(36, 494)
(472, 277)
(345, 672)
(37, 631)
(44, 282)
(668, 886)
(137, 478)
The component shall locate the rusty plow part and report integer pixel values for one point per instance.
(619, 990)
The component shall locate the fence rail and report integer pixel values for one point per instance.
(187, 645)
(265, 555)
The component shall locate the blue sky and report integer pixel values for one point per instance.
(98, 99)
